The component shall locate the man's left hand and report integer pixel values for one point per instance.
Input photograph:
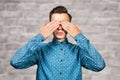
(72, 29)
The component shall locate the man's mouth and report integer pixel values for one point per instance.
(60, 33)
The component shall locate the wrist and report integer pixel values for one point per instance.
(39, 38)
(76, 34)
(43, 35)
(80, 37)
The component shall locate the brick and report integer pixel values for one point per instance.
(12, 77)
(10, 15)
(82, 1)
(114, 77)
(111, 61)
(12, 46)
(29, 71)
(112, 6)
(11, 7)
(2, 69)
(2, 6)
(115, 70)
(31, 77)
(1, 77)
(114, 22)
(86, 77)
(9, 21)
(2, 54)
(113, 38)
(110, 46)
(113, 30)
(9, 1)
(103, 77)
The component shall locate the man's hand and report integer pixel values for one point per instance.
(47, 29)
(72, 29)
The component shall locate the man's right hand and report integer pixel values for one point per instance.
(47, 29)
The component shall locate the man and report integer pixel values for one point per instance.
(59, 59)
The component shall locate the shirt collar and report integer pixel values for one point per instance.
(56, 42)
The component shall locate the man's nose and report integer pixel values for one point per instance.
(60, 27)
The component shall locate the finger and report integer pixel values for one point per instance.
(53, 24)
(50, 26)
(70, 25)
(66, 22)
(65, 26)
(47, 25)
(79, 28)
(54, 28)
(51, 29)
(43, 25)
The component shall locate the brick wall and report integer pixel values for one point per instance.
(20, 20)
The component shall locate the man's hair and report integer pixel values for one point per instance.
(59, 9)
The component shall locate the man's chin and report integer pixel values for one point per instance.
(60, 37)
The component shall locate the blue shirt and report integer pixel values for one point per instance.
(58, 60)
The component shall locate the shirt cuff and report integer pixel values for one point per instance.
(80, 37)
(39, 37)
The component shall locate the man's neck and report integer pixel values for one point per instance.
(60, 40)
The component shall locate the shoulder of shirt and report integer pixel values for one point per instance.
(43, 46)
(46, 44)
(73, 44)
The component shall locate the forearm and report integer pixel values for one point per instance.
(91, 58)
(27, 55)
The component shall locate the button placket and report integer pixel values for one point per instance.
(61, 53)
(61, 59)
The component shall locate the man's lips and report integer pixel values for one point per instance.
(60, 33)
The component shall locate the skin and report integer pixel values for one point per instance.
(60, 25)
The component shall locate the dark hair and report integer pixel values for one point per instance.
(59, 9)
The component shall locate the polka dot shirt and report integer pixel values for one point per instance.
(58, 60)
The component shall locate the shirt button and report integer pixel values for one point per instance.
(61, 60)
(60, 73)
(61, 49)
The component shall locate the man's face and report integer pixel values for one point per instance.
(60, 33)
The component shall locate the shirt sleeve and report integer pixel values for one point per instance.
(90, 57)
(28, 54)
